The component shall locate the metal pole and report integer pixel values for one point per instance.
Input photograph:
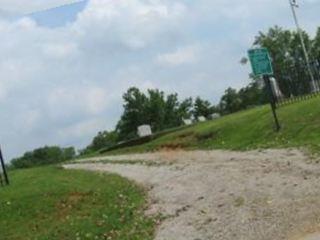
(267, 82)
(293, 5)
(6, 179)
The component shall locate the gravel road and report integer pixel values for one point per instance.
(222, 195)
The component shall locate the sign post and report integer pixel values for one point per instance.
(6, 178)
(262, 66)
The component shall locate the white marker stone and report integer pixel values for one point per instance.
(202, 119)
(215, 116)
(144, 131)
(187, 122)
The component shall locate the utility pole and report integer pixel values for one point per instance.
(294, 5)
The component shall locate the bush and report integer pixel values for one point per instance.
(44, 156)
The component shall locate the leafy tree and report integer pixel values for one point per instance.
(185, 109)
(202, 108)
(316, 46)
(44, 156)
(288, 58)
(172, 115)
(103, 139)
(135, 103)
(231, 101)
(155, 110)
(252, 95)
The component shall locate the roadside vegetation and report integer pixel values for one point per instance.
(250, 129)
(51, 203)
(43, 156)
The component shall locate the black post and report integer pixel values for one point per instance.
(272, 99)
(6, 179)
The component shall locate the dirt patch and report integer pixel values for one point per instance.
(67, 204)
(222, 195)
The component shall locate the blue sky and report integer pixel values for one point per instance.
(63, 71)
(58, 16)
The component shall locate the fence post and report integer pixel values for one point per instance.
(6, 178)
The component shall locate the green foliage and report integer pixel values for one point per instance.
(135, 104)
(230, 101)
(202, 108)
(44, 156)
(252, 95)
(287, 56)
(185, 108)
(250, 129)
(103, 139)
(55, 204)
(316, 46)
(154, 108)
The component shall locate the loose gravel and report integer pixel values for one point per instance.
(223, 195)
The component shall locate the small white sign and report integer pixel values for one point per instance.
(144, 131)
(202, 119)
(215, 116)
(187, 122)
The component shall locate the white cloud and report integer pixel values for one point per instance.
(60, 50)
(185, 55)
(82, 129)
(86, 100)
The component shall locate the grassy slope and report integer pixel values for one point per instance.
(51, 203)
(249, 129)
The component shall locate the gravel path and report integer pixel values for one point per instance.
(221, 195)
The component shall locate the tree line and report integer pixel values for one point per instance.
(164, 111)
(44, 156)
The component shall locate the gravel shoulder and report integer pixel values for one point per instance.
(223, 195)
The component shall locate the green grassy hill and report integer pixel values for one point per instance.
(246, 130)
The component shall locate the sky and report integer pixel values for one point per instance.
(63, 71)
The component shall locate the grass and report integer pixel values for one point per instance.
(51, 203)
(246, 130)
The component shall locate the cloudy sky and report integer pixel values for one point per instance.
(63, 71)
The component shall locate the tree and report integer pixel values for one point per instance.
(230, 102)
(185, 109)
(172, 115)
(288, 58)
(134, 113)
(44, 156)
(102, 140)
(252, 95)
(316, 46)
(202, 108)
(155, 110)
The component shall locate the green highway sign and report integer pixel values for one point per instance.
(260, 61)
